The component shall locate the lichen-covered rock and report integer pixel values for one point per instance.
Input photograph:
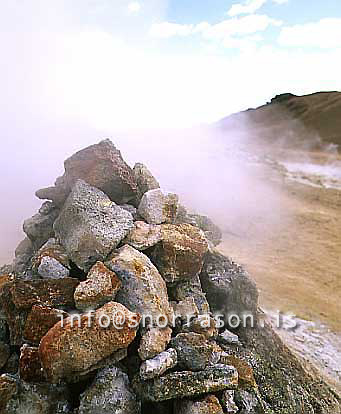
(73, 346)
(30, 369)
(143, 235)
(180, 254)
(158, 365)
(101, 166)
(228, 403)
(157, 208)
(229, 289)
(100, 287)
(195, 352)
(39, 228)
(209, 404)
(8, 388)
(90, 226)
(50, 268)
(143, 289)
(187, 383)
(23, 254)
(17, 298)
(144, 179)
(245, 371)
(39, 321)
(191, 289)
(40, 399)
(248, 402)
(153, 342)
(110, 393)
(4, 354)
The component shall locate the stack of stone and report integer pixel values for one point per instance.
(110, 243)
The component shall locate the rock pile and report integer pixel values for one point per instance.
(111, 304)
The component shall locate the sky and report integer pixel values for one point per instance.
(162, 63)
(75, 71)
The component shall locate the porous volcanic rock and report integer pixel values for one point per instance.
(73, 346)
(191, 289)
(229, 288)
(90, 226)
(157, 208)
(144, 179)
(143, 289)
(195, 352)
(187, 383)
(153, 341)
(30, 369)
(158, 365)
(180, 254)
(39, 321)
(101, 166)
(100, 287)
(39, 228)
(209, 404)
(17, 298)
(40, 399)
(110, 393)
(143, 235)
(50, 268)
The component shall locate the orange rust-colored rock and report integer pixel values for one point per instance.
(100, 287)
(17, 297)
(72, 346)
(39, 321)
(245, 371)
(180, 254)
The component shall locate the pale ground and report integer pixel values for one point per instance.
(297, 266)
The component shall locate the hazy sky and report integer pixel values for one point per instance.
(75, 71)
(147, 63)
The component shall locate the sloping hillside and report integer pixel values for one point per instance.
(296, 119)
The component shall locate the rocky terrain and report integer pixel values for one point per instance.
(309, 121)
(110, 244)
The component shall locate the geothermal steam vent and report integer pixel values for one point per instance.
(110, 307)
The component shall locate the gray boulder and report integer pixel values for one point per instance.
(50, 268)
(157, 208)
(40, 399)
(191, 290)
(228, 287)
(110, 393)
(144, 179)
(90, 226)
(158, 365)
(186, 383)
(195, 352)
(143, 289)
(39, 228)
